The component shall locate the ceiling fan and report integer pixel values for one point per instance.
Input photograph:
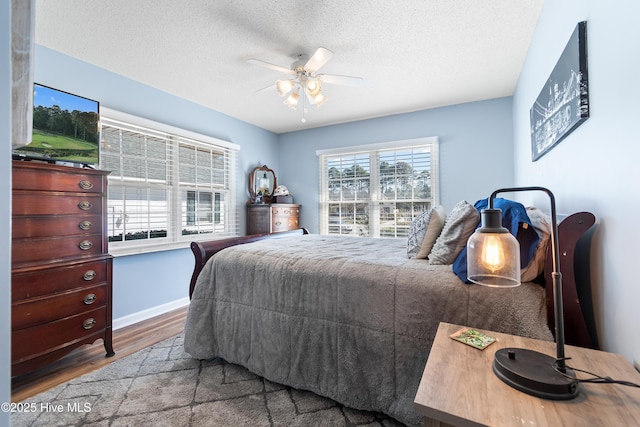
(304, 78)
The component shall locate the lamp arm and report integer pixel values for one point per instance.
(556, 275)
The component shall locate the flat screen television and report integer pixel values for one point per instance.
(65, 128)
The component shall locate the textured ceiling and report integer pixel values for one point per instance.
(414, 54)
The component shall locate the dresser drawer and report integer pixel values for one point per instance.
(284, 223)
(27, 251)
(42, 310)
(285, 217)
(32, 203)
(258, 219)
(285, 210)
(27, 177)
(35, 341)
(57, 225)
(48, 281)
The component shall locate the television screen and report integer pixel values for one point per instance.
(65, 128)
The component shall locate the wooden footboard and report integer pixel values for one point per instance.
(202, 251)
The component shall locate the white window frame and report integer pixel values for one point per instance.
(374, 201)
(176, 136)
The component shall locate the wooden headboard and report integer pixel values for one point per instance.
(574, 241)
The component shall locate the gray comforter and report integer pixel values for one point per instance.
(348, 318)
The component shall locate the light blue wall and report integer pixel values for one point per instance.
(5, 207)
(150, 280)
(144, 281)
(476, 150)
(471, 135)
(596, 167)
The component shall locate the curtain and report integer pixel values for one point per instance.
(22, 46)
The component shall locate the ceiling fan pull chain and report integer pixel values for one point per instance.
(304, 109)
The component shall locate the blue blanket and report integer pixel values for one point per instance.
(514, 219)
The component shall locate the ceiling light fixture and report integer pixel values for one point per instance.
(293, 98)
(304, 79)
(284, 86)
(292, 87)
(313, 87)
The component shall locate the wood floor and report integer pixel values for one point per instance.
(126, 341)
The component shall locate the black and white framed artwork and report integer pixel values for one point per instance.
(563, 103)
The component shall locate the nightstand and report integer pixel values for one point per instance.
(458, 387)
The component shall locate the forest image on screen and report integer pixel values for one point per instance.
(65, 127)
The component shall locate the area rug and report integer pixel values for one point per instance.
(163, 386)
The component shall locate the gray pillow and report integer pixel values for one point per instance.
(459, 226)
(418, 231)
(436, 223)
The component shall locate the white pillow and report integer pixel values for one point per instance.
(542, 224)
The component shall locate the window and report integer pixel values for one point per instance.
(377, 190)
(167, 186)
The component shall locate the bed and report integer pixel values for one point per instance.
(352, 318)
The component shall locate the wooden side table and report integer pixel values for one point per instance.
(458, 387)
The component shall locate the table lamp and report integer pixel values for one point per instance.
(493, 259)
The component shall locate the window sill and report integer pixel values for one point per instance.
(147, 249)
(141, 249)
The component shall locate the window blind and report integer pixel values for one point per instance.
(165, 188)
(377, 190)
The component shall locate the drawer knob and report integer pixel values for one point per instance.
(89, 323)
(89, 299)
(275, 211)
(86, 184)
(85, 225)
(85, 205)
(278, 223)
(85, 245)
(287, 212)
(89, 275)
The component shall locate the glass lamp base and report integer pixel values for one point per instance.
(533, 373)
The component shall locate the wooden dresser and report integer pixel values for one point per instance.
(60, 267)
(271, 218)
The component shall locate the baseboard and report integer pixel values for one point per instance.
(139, 316)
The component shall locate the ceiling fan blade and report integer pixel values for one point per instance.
(341, 80)
(268, 88)
(320, 57)
(271, 66)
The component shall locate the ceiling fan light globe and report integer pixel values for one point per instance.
(284, 86)
(313, 87)
(319, 100)
(292, 100)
